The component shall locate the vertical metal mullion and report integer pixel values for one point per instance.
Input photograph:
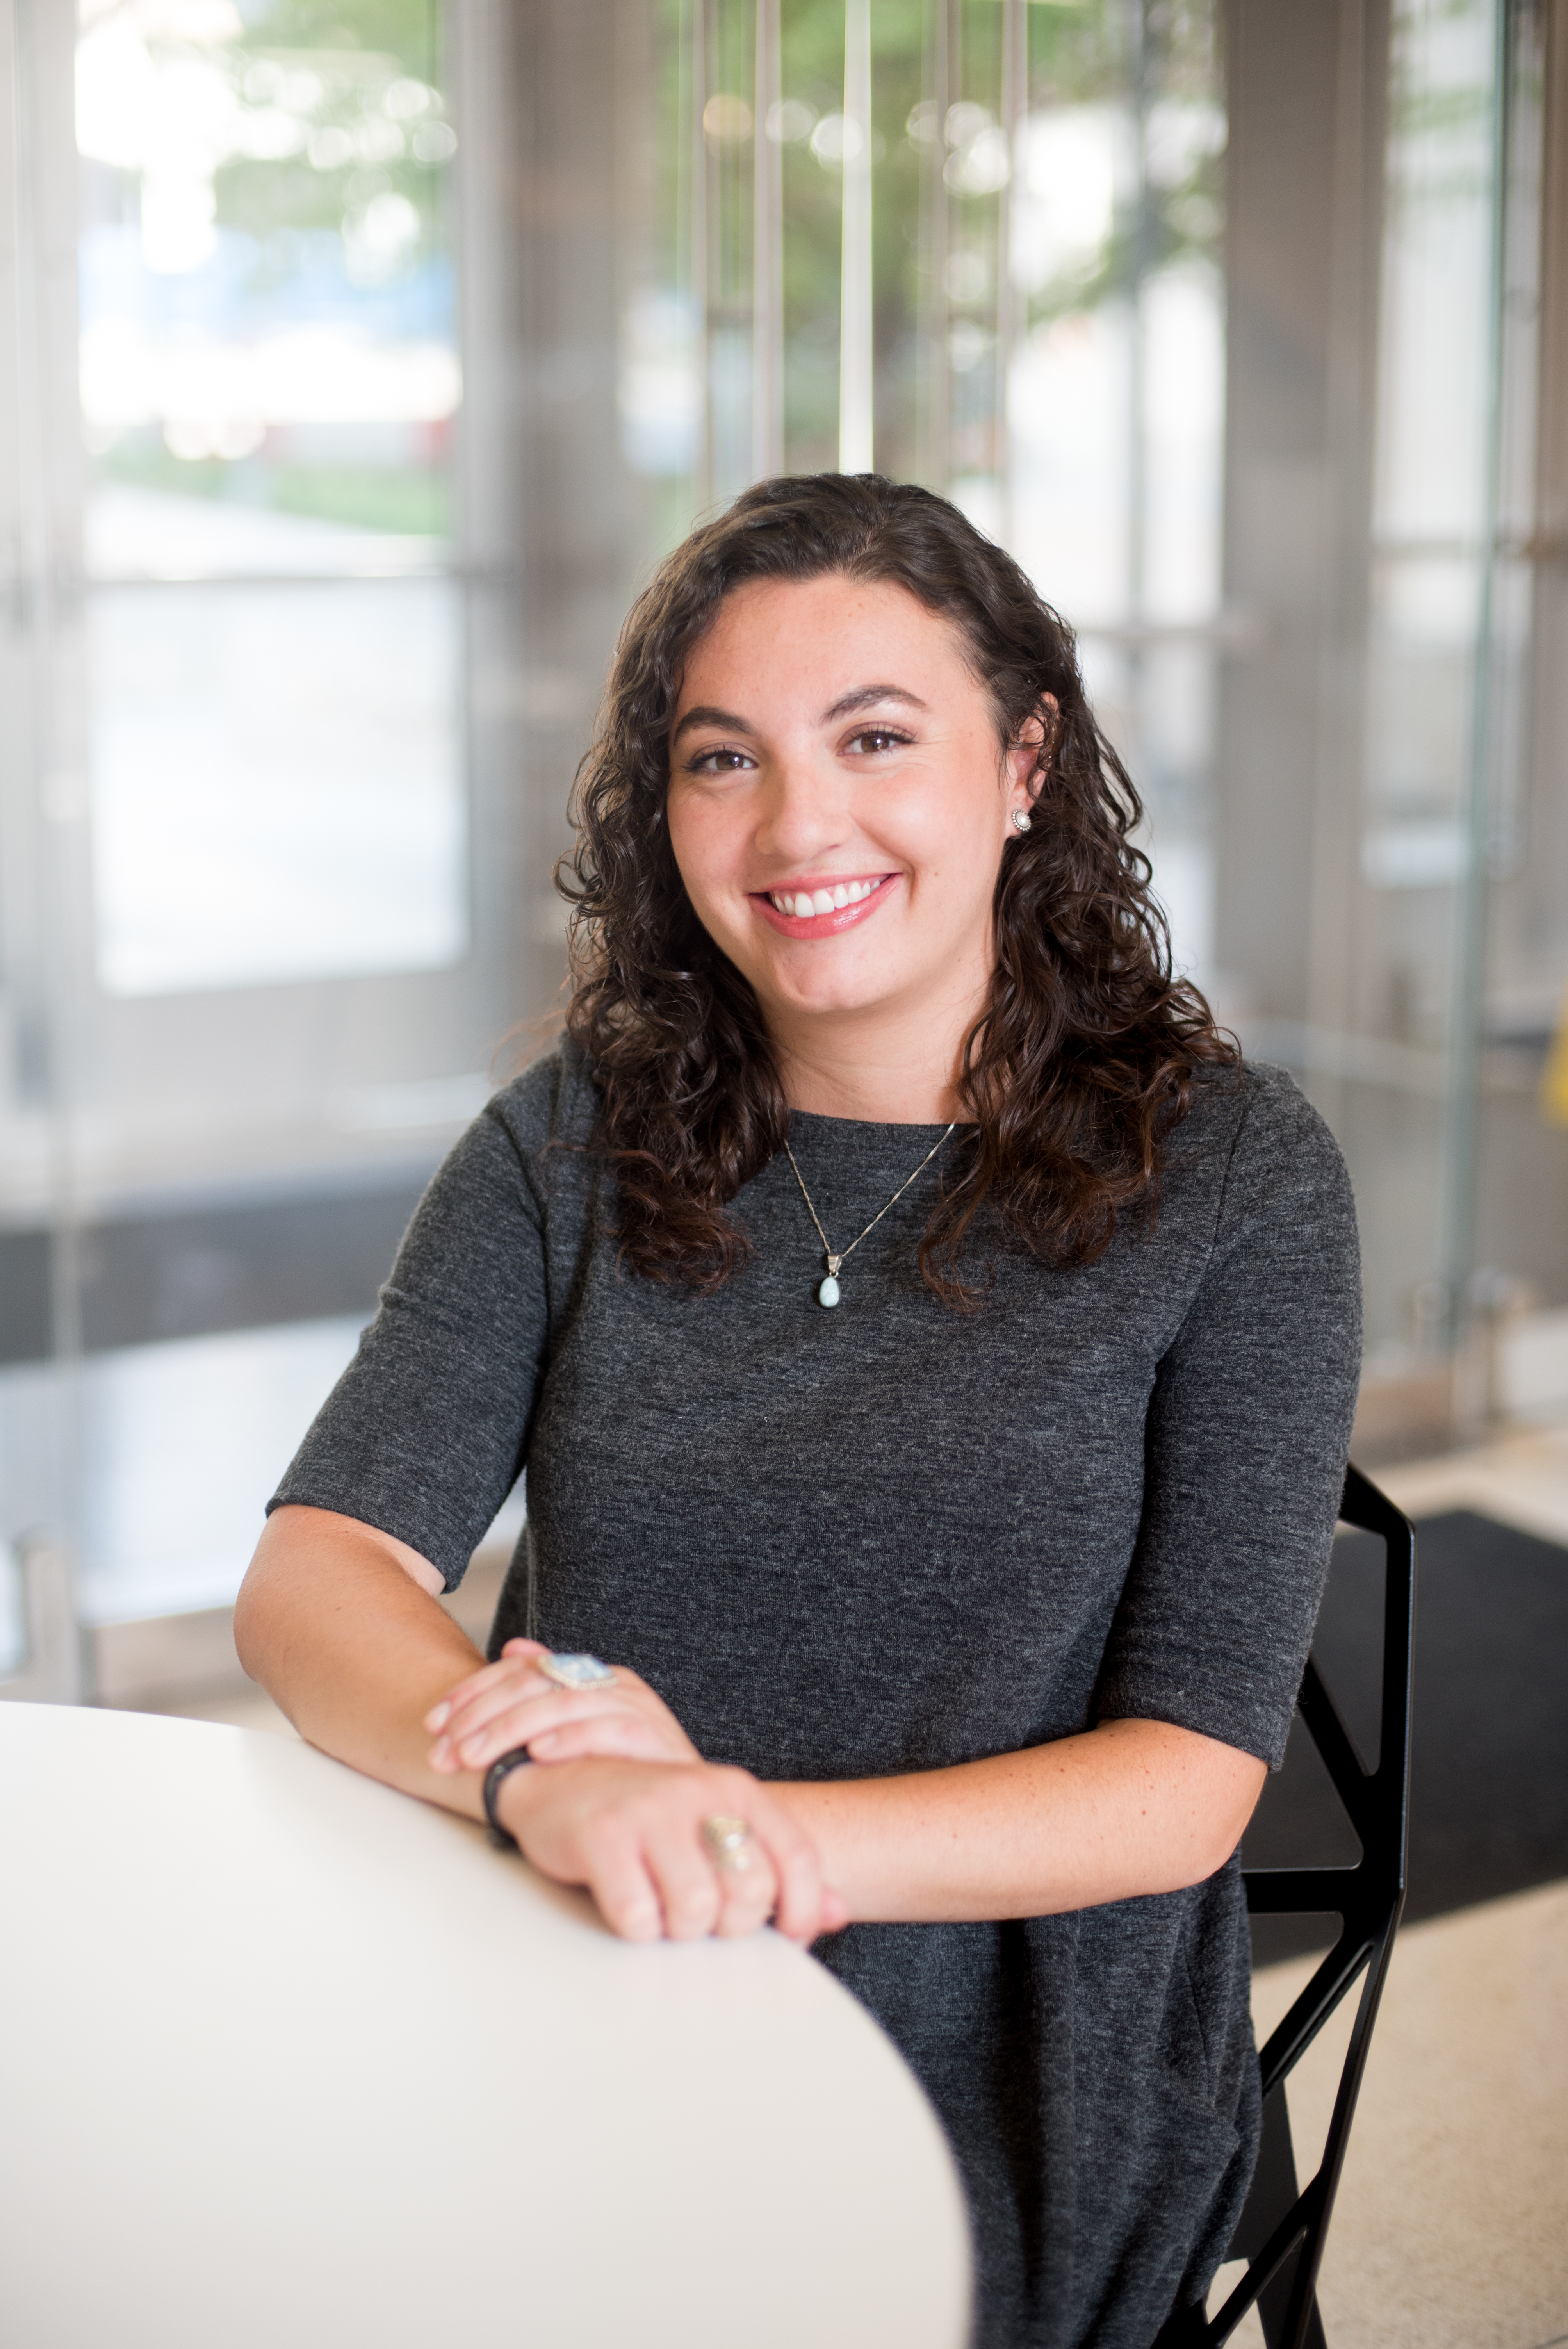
(1462, 1108)
(936, 434)
(768, 256)
(1009, 309)
(1137, 451)
(40, 493)
(856, 349)
(1354, 259)
(697, 256)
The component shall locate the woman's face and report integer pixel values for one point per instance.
(839, 802)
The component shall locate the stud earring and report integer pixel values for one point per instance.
(1021, 819)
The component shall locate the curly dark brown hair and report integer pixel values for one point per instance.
(1084, 1057)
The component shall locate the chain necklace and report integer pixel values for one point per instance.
(828, 1291)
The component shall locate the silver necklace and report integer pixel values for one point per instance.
(828, 1291)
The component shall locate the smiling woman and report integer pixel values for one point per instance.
(798, 827)
(821, 632)
(954, 1629)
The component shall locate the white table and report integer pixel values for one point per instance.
(288, 2060)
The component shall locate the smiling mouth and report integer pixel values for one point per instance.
(807, 904)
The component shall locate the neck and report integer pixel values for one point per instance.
(849, 1065)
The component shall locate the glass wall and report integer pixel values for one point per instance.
(1203, 313)
(1017, 211)
(269, 377)
(253, 971)
(364, 360)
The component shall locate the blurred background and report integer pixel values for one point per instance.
(359, 360)
(361, 357)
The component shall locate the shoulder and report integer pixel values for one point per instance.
(1253, 1114)
(554, 1100)
(1258, 1150)
(1282, 1133)
(524, 1152)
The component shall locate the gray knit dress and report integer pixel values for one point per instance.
(891, 1537)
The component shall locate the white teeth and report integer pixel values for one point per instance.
(802, 905)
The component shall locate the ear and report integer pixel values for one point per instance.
(1028, 755)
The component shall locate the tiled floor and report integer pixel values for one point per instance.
(1451, 2227)
(1520, 1477)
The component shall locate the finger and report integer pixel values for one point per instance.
(465, 1747)
(522, 1714)
(464, 1691)
(748, 1894)
(660, 1739)
(507, 1683)
(684, 1877)
(458, 1746)
(835, 1911)
(625, 1736)
(516, 1685)
(623, 1888)
(802, 1907)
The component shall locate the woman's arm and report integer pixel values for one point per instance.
(341, 1625)
(1129, 1808)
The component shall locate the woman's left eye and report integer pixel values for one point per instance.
(877, 738)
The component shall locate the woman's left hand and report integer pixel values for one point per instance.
(511, 1703)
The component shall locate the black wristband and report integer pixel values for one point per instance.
(502, 1767)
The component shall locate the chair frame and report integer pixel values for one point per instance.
(1282, 2229)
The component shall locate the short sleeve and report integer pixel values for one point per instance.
(426, 1432)
(1246, 1439)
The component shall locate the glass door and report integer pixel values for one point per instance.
(258, 949)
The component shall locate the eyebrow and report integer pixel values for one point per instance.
(863, 698)
(704, 714)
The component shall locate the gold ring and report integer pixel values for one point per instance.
(730, 1843)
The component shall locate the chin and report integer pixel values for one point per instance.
(833, 997)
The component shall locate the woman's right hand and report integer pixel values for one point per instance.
(632, 1832)
(511, 1703)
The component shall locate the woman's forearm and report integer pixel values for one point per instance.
(340, 1625)
(1130, 1807)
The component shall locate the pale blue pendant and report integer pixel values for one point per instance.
(827, 1292)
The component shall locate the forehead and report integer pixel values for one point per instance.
(814, 639)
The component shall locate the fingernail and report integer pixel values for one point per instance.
(437, 1717)
(472, 1751)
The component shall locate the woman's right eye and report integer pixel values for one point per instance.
(724, 762)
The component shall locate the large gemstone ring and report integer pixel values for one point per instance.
(730, 1843)
(574, 1672)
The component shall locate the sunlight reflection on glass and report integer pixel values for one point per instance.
(269, 380)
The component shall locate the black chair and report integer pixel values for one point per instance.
(1282, 2228)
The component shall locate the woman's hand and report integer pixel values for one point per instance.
(632, 1832)
(511, 1703)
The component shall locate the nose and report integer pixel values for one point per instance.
(805, 811)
